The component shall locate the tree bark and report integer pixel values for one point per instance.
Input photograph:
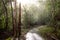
(6, 15)
(19, 24)
(15, 21)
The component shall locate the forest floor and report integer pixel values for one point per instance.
(35, 28)
(44, 31)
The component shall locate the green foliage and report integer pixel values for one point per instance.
(1, 15)
(2, 22)
(53, 7)
(8, 38)
(3, 31)
(45, 30)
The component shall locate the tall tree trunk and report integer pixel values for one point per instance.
(12, 16)
(15, 20)
(19, 24)
(6, 15)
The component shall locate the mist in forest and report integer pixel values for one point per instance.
(29, 20)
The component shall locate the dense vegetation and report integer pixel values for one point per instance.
(47, 13)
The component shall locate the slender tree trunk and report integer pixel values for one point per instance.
(15, 20)
(6, 15)
(12, 16)
(19, 24)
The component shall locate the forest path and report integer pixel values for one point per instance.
(33, 34)
(33, 30)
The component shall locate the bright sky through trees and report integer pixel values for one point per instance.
(27, 2)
